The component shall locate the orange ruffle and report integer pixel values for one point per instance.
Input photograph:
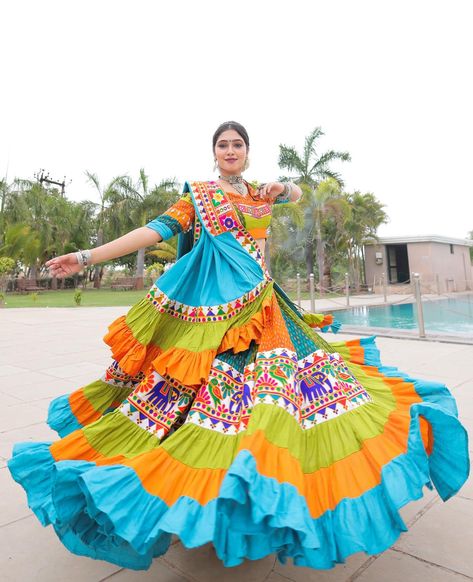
(239, 338)
(131, 356)
(188, 368)
(327, 320)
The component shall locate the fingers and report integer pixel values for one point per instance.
(265, 189)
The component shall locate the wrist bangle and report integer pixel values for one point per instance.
(83, 257)
(285, 194)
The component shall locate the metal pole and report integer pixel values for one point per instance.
(298, 288)
(347, 289)
(385, 288)
(420, 312)
(437, 281)
(311, 291)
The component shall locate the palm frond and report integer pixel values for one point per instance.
(290, 160)
(309, 149)
(319, 166)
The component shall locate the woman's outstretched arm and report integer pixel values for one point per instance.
(132, 241)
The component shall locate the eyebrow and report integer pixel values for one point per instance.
(229, 140)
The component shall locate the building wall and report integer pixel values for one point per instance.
(373, 270)
(429, 259)
(433, 259)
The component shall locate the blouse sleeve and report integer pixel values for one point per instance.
(178, 218)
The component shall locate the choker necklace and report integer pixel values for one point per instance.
(236, 182)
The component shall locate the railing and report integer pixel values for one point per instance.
(419, 292)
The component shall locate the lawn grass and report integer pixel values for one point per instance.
(90, 298)
(94, 298)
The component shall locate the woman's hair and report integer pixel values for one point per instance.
(238, 127)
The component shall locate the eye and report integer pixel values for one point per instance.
(238, 145)
(222, 145)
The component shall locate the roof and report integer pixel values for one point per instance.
(392, 240)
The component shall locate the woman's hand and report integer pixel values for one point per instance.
(271, 190)
(63, 266)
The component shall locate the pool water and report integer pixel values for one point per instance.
(452, 315)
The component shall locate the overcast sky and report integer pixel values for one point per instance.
(112, 86)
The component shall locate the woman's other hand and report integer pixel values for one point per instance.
(270, 191)
(64, 265)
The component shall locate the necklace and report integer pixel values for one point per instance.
(236, 182)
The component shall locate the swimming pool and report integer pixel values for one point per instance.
(452, 315)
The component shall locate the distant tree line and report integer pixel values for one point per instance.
(324, 233)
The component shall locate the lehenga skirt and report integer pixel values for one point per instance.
(272, 441)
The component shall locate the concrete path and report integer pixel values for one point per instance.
(47, 352)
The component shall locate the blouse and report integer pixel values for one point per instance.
(254, 214)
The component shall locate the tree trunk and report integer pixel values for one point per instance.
(140, 267)
(97, 277)
(33, 272)
(309, 258)
(327, 278)
(357, 273)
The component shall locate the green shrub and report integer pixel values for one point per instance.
(78, 297)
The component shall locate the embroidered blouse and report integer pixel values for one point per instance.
(255, 215)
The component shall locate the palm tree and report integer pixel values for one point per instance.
(308, 170)
(367, 214)
(136, 204)
(105, 194)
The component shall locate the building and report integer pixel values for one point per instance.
(443, 263)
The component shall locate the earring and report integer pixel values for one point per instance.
(247, 164)
(215, 165)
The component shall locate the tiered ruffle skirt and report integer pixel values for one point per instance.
(252, 433)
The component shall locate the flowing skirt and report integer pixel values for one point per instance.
(287, 445)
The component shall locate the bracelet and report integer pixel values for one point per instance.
(286, 193)
(83, 257)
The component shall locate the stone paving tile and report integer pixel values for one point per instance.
(159, 572)
(336, 574)
(467, 490)
(41, 362)
(36, 433)
(75, 369)
(7, 400)
(13, 504)
(9, 384)
(394, 566)
(443, 536)
(31, 552)
(19, 415)
(202, 564)
(31, 391)
(412, 511)
(8, 370)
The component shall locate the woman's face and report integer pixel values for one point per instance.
(230, 153)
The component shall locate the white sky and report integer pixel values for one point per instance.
(112, 86)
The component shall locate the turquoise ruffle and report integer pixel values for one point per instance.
(61, 418)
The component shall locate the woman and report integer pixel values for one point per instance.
(225, 418)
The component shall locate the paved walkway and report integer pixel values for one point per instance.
(47, 352)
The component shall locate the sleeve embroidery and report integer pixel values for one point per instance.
(178, 218)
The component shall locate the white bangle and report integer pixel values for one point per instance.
(83, 257)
